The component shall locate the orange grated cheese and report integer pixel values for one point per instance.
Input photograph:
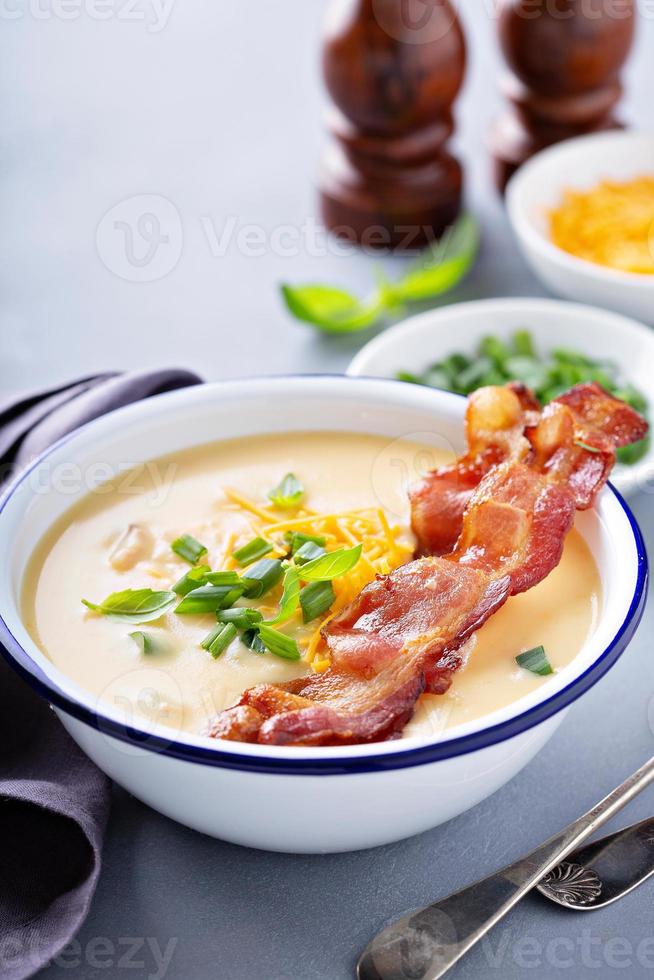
(382, 550)
(611, 224)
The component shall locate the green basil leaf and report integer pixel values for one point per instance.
(535, 661)
(290, 596)
(442, 266)
(278, 643)
(133, 605)
(288, 493)
(330, 309)
(330, 566)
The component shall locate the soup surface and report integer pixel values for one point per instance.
(119, 537)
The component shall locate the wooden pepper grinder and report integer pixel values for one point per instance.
(393, 70)
(565, 57)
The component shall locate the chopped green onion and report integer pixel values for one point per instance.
(497, 361)
(144, 641)
(584, 445)
(200, 575)
(308, 552)
(219, 639)
(523, 344)
(296, 539)
(288, 493)
(278, 643)
(209, 598)
(331, 565)
(494, 349)
(252, 551)
(191, 580)
(535, 660)
(189, 548)
(223, 578)
(316, 599)
(260, 578)
(290, 596)
(133, 605)
(252, 640)
(242, 617)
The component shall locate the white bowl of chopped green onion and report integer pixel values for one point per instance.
(547, 344)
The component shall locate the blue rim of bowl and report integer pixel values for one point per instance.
(20, 661)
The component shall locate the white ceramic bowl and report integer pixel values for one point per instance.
(419, 341)
(538, 186)
(297, 799)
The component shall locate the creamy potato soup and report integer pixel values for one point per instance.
(331, 492)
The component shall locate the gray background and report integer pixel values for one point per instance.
(219, 112)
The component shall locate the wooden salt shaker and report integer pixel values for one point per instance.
(393, 70)
(565, 58)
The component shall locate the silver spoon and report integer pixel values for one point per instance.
(425, 944)
(604, 871)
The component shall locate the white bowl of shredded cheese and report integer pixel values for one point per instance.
(577, 166)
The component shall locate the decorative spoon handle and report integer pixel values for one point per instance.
(600, 873)
(425, 944)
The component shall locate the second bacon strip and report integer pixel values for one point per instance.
(522, 479)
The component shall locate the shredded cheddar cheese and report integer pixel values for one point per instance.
(384, 547)
(612, 224)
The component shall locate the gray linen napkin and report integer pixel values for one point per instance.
(54, 802)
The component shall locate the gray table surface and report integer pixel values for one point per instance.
(215, 107)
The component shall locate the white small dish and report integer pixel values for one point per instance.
(283, 798)
(538, 186)
(414, 344)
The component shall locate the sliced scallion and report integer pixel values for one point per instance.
(260, 578)
(200, 575)
(296, 539)
(252, 551)
(209, 598)
(535, 660)
(586, 446)
(252, 640)
(315, 599)
(219, 639)
(278, 643)
(243, 618)
(192, 580)
(288, 493)
(144, 641)
(307, 552)
(189, 548)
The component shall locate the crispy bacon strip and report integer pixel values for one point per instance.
(495, 423)
(402, 635)
(496, 429)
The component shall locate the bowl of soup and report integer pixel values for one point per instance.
(140, 498)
